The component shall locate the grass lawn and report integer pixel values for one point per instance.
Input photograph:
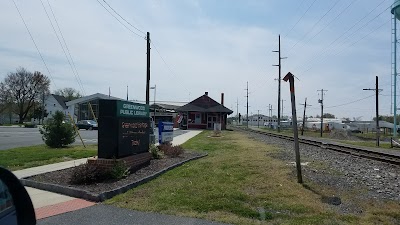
(239, 183)
(38, 155)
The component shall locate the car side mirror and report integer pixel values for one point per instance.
(15, 204)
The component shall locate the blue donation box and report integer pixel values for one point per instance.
(165, 132)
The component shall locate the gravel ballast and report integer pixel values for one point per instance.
(342, 172)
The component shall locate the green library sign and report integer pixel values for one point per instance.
(130, 109)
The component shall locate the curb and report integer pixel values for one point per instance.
(83, 194)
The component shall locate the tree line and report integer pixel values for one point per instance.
(22, 93)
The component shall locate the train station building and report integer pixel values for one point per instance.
(203, 113)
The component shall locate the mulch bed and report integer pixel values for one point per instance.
(62, 177)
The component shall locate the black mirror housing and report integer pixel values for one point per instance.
(25, 212)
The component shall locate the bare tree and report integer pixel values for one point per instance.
(23, 88)
(68, 93)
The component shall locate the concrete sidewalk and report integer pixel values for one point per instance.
(44, 201)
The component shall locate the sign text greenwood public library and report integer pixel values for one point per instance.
(130, 109)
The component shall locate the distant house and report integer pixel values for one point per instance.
(53, 103)
(204, 112)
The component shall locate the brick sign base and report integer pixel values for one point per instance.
(133, 162)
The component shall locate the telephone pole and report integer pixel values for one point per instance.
(304, 116)
(148, 70)
(237, 110)
(279, 84)
(321, 101)
(376, 89)
(247, 104)
(258, 118)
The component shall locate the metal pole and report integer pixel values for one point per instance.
(148, 70)
(290, 77)
(377, 112)
(395, 77)
(155, 104)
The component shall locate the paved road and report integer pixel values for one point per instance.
(11, 137)
(109, 215)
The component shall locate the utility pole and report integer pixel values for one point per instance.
(43, 108)
(321, 101)
(279, 84)
(237, 110)
(247, 104)
(376, 89)
(304, 116)
(148, 70)
(258, 118)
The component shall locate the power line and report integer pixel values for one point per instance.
(320, 56)
(123, 18)
(33, 40)
(80, 83)
(166, 64)
(333, 20)
(366, 24)
(120, 20)
(348, 47)
(300, 18)
(312, 28)
(335, 106)
(59, 41)
(152, 42)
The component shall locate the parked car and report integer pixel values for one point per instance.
(87, 125)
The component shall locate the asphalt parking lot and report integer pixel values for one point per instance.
(13, 137)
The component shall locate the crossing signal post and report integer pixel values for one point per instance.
(289, 77)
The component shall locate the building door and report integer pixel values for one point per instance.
(211, 119)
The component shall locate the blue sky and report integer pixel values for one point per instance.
(214, 46)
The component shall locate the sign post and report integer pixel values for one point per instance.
(289, 77)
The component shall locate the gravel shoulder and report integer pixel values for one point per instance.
(62, 177)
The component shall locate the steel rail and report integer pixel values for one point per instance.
(346, 149)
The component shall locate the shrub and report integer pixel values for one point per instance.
(155, 152)
(169, 150)
(56, 133)
(88, 174)
(93, 173)
(119, 170)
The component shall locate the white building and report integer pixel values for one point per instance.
(79, 109)
(53, 103)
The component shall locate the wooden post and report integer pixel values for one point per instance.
(76, 128)
(290, 77)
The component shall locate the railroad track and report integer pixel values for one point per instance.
(346, 149)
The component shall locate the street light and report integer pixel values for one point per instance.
(154, 104)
